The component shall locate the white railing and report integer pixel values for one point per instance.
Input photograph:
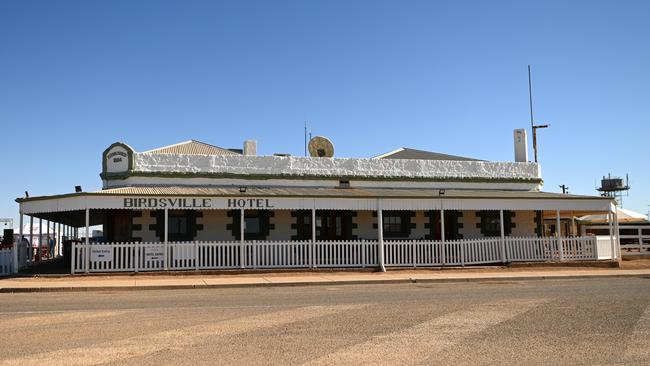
(634, 238)
(136, 257)
(603, 246)
(6, 262)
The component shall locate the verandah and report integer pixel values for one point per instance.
(250, 254)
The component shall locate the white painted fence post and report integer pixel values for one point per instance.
(363, 253)
(136, 257)
(242, 222)
(87, 253)
(558, 235)
(73, 256)
(166, 238)
(380, 235)
(196, 255)
(413, 257)
(503, 237)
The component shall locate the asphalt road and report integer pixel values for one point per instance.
(590, 321)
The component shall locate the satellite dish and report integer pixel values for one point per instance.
(321, 147)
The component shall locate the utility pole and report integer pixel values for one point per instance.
(565, 188)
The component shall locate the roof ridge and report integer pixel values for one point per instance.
(168, 146)
(187, 142)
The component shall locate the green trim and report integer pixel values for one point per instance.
(122, 176)
(447, 197)
(130, 156)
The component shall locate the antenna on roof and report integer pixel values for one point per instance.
(305, 138)
(532, 122)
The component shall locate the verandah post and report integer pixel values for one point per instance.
(640, 234)
(611, 232)
(18, 242)
(503, 237)
(442, 236)
(30, 255)
(59, 242)
(558, 235)
(40, 239)
(380, 236)
(313, 236)
(87, 251)
(166, 238)
(242, 222)
(617, 232)
(47, 238)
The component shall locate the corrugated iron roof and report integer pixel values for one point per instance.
(408, 153)
(192, 147)
(332, 192)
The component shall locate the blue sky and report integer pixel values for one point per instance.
(446, 76)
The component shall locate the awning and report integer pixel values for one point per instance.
(624, 216)
(296, 198)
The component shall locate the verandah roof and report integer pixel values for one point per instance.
(307, 198)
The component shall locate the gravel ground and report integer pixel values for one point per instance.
(588, 321)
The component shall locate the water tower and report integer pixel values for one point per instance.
(614, 187)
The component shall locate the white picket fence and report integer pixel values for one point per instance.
(6, 262)
(136, 257)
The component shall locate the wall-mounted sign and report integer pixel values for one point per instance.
(118, 158)
(99, 254)
(194, 203)
(152, 254)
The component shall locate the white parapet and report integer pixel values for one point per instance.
(334, 167)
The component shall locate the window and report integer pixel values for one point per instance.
(251, 225)
(181, 225)
(491, 223)
(392, 224)
(256, 224)
(177, 224)
(397, 224)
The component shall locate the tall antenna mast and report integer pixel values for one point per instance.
(530, 100)
(305, 138)
(532, 121)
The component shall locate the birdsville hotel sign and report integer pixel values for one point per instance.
(196, 203)
(199, 206)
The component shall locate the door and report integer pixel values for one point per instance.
(333, 225)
